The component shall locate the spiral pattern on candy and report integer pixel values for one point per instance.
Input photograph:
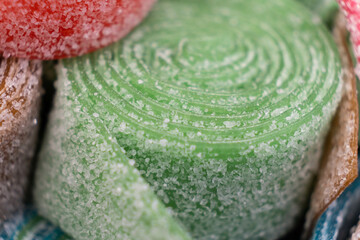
(216, 108)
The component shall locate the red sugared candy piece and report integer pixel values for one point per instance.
(53, 29)
(351, 9)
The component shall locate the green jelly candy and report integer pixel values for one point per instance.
(325, 9)
(206, 122)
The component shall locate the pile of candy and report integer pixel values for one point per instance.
(204, 120)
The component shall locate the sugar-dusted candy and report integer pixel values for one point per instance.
(205, 122)
(20, 89)
(55, 29)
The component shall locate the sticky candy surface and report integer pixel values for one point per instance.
(57, 28)
(208, 119)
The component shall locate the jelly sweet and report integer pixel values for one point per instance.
(207, 121)
(20, 89)
(351, 9)
(55, 29)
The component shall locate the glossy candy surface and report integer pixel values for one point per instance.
(64, 28)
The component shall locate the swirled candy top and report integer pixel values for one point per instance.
(220, 105)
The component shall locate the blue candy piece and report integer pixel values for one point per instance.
(27, 224)
(335, 223)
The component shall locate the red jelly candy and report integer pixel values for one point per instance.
(53, 29)
(351, 9)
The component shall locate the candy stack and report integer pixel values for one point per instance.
(204, 120)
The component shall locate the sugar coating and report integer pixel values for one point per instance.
(222, 126)
(116, 202)
(340, 157)
(339, 216)
(351, 11)
(332, 221)
(355, 235)
(26, 224)
(54, 29)
(19, 111)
